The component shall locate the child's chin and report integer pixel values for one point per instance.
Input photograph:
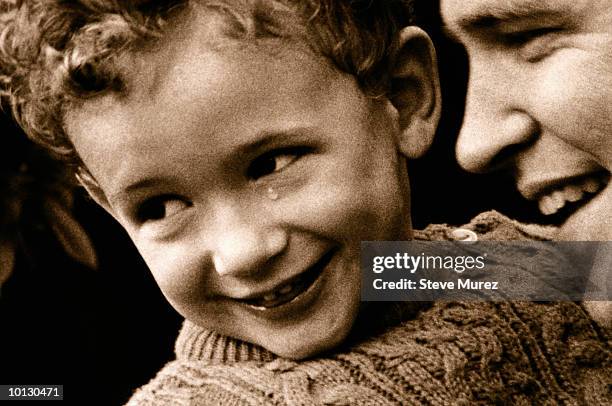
(301, 346)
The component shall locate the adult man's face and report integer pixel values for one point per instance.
(539, 103)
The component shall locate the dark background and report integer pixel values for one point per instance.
(103, 333)
(99, 333)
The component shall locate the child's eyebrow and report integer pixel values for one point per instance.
(142, 184)
(123, 191)
(271, 138)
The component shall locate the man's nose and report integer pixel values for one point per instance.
(245, 242)
(497, 124)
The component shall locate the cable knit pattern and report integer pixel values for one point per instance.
(465, 353)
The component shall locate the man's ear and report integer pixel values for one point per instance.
(415, 91)
(92, 188)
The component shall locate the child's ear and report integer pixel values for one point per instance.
(92, 188)
(415, 91)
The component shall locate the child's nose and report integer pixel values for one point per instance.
(244, 244)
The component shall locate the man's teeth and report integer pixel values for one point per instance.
(591, 185)
(573, 193)
(556, 200)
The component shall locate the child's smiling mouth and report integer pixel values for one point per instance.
(292, 289)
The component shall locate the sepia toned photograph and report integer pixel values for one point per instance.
(306, 202)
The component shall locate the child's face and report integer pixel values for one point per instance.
(247, 183)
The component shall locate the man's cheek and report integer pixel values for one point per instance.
(592, 222)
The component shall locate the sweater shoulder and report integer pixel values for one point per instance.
(490, 225)
(501, 353)
(189, 382)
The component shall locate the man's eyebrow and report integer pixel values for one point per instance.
(490, 16)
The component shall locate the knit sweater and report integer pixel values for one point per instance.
(436, 354)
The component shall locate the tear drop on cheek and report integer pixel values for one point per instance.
(272, 194)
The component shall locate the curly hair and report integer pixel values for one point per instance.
(57, 53)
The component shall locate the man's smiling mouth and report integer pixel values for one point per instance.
(559, 202)
(290, 290)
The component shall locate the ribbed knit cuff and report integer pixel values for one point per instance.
(197, 344)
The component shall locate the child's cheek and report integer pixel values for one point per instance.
(177, 267)
(348, 208)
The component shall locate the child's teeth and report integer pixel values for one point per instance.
(286, 289)
(270, 296)
(273, 296)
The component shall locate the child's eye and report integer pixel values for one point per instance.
(160, 207)
(274, 161)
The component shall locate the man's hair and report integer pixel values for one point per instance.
(57, 53)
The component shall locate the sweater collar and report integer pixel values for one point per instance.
(195, 343)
